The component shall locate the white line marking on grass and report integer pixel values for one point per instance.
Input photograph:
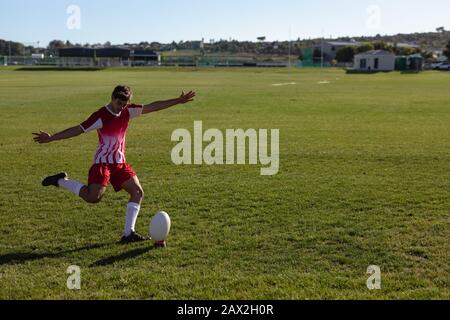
(284, 84)
(323, 82)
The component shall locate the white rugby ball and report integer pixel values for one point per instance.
(160, 226)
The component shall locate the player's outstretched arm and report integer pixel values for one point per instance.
(44, 137)
(161, 105)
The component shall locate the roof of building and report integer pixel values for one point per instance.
(143, 53)
(81, 52)
(376, 53)
(76, 52)
(403, 45)
(112, 52)
(343, 43)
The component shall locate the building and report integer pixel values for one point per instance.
(374, 60)
(105, 57)
(330, 48)
(93, 57)
(144, 58)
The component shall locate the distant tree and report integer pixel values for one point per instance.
(365, 47)
(405, 51)
(261, 39)
(345, 54)
(29, 50)
(155, 46)
(381, 45)
(440, 29)
(56, 44)
(4, 48)
(447, 50)
(233, 47)
(427, 55)
(15, 48)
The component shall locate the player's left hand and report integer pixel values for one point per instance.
(185, 98)
(42, 137)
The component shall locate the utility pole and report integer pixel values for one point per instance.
(321, 52)
(289, 46)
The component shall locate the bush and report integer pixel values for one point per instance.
(345, 54)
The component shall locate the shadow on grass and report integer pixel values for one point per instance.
(410, 72)
(22, 257)
(353, 71)
(57, 69)
(123, 256)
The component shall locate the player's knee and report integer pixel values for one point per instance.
(138, 194)
(94, 198)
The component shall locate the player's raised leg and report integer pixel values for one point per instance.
(134, 188)
(62, 180)
(91, 194)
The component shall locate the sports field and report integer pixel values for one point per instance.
(364, 180)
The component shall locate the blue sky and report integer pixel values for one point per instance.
(122, 21)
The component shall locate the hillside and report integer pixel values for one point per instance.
(430, 41)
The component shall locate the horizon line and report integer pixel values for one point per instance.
(26, 43)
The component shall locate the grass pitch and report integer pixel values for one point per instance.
(364, 180)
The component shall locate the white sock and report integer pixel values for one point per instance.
(70, 185)
(132, 214)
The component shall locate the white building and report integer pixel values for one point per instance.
(375, 60)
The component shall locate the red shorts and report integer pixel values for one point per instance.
(117, 174)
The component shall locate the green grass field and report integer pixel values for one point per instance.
(364, 180)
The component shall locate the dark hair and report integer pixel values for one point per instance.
(122, 92)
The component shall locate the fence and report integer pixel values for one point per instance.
(168, 61)
(28, 61)
(228, 61)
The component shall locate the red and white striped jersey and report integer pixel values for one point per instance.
(112, 131)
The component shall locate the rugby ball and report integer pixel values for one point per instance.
(160, 226)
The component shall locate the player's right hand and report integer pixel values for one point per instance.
(185, 98)
(42, 137)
